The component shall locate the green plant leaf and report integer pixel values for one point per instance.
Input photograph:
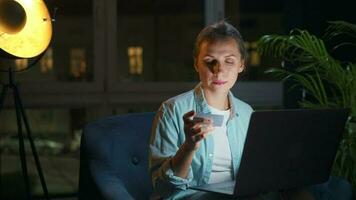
(330, 82)
(340, 27)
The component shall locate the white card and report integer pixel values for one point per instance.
(217, 119)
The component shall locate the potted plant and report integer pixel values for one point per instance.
(326, 82)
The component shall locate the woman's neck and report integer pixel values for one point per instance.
(217, 100)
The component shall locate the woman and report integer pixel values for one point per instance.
(187, 151)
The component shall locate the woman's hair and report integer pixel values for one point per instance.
(221, 30)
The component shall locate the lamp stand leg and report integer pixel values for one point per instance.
(22, 148)
(21, 115)
(33, 147)
(2, 99)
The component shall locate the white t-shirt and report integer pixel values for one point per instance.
(222, 162)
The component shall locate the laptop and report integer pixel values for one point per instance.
(285, 149)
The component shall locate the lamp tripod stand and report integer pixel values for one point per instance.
(21, 117)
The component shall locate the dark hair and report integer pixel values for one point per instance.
(219, 31)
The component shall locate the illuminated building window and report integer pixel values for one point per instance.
(247, 45)
(21, 64)
(77, 64)
(254, 59)
(46, 63)
(135, 60)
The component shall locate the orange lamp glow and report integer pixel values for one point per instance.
(25, 27)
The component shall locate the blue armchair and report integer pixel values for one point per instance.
(113, 158)
(114, 162)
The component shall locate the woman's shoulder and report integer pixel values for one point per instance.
(242, 106)
(180, 102)
(183, 99)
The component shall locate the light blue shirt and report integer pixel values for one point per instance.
(168, 135)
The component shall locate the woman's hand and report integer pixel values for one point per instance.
(195, 129)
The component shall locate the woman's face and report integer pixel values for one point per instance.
(218, 64)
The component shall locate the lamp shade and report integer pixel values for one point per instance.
(25, 28)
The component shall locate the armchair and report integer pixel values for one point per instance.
(114, 158)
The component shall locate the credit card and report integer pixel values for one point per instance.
(217, 119)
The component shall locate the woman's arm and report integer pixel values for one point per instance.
(169, 162)
(195, 131)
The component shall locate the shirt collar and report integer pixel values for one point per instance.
(202, 105)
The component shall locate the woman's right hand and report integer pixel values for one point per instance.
(196, 129)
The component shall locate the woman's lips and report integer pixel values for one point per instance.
(218, 82)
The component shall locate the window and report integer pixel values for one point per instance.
(253, 22)
(155, 40)
(78, 64)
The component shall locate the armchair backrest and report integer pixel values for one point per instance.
(113, 158)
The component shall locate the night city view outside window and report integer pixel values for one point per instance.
(160, 36)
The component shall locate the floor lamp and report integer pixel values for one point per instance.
(25, 32)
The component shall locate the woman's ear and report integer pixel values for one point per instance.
(242, 67)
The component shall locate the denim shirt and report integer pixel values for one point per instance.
(168, 135)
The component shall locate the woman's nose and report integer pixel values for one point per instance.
(217, 67)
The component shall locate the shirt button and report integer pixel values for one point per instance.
(210, 155)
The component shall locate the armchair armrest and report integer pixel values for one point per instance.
(110, 186)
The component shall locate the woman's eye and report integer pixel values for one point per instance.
(210, 62)
(231, 62)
